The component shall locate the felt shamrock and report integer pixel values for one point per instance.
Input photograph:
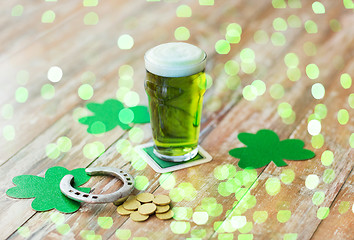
(111, 114)
(264, 147)
(46, 191)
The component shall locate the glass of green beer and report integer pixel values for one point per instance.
(175, 84)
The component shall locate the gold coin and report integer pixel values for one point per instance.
(137, 217)
(145, 197)
(131, 197)
(122, 211)
(162, 209)
(162, 200)
(147, 208)
(165, 216)
(131, 205)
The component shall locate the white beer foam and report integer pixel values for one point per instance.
(175, 59)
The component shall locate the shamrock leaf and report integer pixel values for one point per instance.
(46, 191)
(265, 146)
(111, 114)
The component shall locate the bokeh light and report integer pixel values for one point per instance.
(317, 141)
(260, 216)
(327, 158)
(52, 151)
(272, 186)
(17, 10)
(312, 71)
(21, 94)
(312, 181)
(183, 11)
(47, 91)
(294, 21)
(279, 3)
(318, 91)
(125, 42)
(222, 47)
(249, 92)
(278, 39)
(131, 99)
(279, 24)
(345, 80)
(90, 3)
(105, 222)
(335, 25)
(328, 176)
(291, 60)
(93, 150)
(55, 74)
(9, 132)
(231, 67)
(261, 37)
(276, 91)
(310, 48)
(123, 234)
(182, 34)
(318, 8)
(141, 182)
(64, 144)
(233, 33)
(343, 116)
(311, 27)
(322, 212)
(287, 176)
(48, 16)
(318, 198)
(91, 18)
(63, 229)
(283, 216)
(7, 111)
(85, 91)
(126, 116)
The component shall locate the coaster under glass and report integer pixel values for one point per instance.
(146, 151)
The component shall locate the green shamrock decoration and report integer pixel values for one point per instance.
(46, 190)
(264, 147)
(111, 114)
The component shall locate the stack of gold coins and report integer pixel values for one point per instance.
(140, 207)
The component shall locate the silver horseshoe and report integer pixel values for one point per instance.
(116, 197)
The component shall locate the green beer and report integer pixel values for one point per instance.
(175, 86)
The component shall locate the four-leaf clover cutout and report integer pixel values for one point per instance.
(46, 190)
(265, 146)
(112, 113)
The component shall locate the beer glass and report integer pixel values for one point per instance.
(175, 84)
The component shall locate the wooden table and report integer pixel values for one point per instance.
(85, 48)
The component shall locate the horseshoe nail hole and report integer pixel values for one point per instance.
(129, 183)
(125, 174)
(95, 197)
(128, 178)
(70, 190)
(121, 171)
(85, 195)
(77, 193)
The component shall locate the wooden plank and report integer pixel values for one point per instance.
(67, 127)
(29, 24)
(66, 90)
(296, 197)
(94, 219)
(246, 120)
(339, 223)
(30, 147)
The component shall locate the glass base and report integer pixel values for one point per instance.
(181, 158)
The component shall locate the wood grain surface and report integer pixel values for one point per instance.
(28, 44)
